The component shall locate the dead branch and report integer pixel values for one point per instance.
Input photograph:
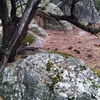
(73, 20)
(20, 50)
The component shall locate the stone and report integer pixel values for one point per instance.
(38, 42)
(49, 24)
(52, 8)
(49, 76)
(45, 2)
(38, 30)
(82, 33)
(39, 34)
(85, 11)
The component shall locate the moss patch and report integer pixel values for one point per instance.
(71, 98)
(95, 84)
(28, 40)
(83, 67)
(49, 65)
(55, 79)
(65, 55)
(97, 72)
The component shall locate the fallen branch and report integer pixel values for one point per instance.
(20, 50)
(73, 20)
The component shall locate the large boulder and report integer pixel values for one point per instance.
(51, 24)
(49, 76)
(84, 10)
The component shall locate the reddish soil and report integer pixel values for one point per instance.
(83, 46)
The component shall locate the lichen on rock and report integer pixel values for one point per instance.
(49, 76)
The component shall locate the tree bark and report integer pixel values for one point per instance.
(4, 18)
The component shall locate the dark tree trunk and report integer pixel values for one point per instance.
(4, 17)
(18, 32)
(23, 32)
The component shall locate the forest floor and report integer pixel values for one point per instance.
(78, 43)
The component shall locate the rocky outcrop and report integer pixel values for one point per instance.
(49, 76)
(84, 9)
(51, 24)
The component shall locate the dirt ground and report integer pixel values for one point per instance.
(78, 43)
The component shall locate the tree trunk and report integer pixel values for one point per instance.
(23, 30)
(20, 32)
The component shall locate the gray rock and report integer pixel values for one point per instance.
(38, 42)
(52, 8)
(39, 34)
(49, 76)
(38, 30)
(84, 10)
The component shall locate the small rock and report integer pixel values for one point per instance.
(77, 51)
(79, 41)
(38, 30)
(70, 48)
(98, 45)
(90, 56)
(56, 48)
(82, 32)
(88, 50)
